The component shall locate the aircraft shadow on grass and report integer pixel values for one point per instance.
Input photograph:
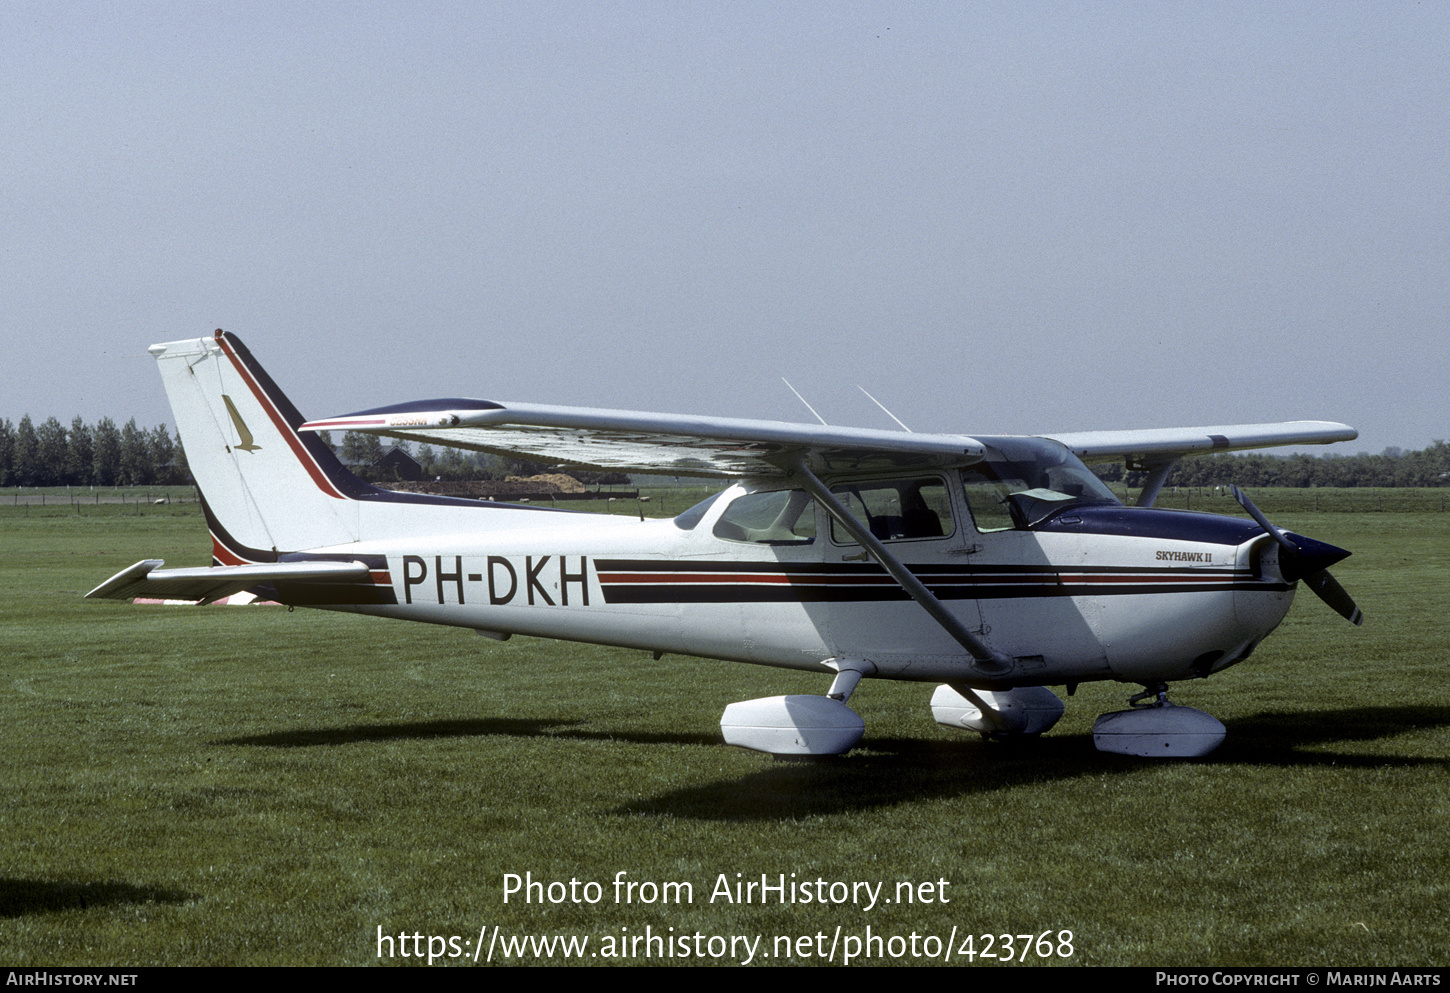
(512, 727)
(19, 897)
(1277, 738)
(887, 771)
(892, 771)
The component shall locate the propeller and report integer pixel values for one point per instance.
(1309, 560)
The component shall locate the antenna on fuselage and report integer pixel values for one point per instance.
(803, 400)
(883, 407)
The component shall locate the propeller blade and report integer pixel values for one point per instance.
(1307, 560)
(1327, 588)
(1260, 519)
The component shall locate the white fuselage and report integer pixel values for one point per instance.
(1066, 607)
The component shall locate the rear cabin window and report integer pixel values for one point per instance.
(896, 509)
(777, 517)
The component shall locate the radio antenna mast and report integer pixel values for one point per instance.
(803, 400)
(883, 407)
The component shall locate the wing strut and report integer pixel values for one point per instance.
(1158, 470)
(989, 661)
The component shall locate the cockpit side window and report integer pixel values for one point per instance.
(776, 517)
(987, 500)
(896, 509)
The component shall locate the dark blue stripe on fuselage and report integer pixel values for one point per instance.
(730, 593)
(1150, 522)
(640, 581)
(428, 406)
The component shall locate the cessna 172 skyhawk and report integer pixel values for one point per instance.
(995, 566)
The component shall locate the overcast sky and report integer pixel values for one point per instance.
(998, 218)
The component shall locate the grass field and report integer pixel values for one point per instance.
(253, 786)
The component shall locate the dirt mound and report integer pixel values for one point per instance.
(555, 481)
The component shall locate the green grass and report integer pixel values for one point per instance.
(249, 785)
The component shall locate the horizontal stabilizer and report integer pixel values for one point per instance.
(147, 579)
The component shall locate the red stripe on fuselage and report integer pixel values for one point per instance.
(345, 423)
(986, 577)
(806, 579)
(225, 555)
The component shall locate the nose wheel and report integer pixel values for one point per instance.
(1156, 695)
(1156, 727)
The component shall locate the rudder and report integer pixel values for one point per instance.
(267, 489)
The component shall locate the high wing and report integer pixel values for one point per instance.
(675, 444)
(1157, 444)
(146, 579)
(669, 444)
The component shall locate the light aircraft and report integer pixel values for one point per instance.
(995, 566)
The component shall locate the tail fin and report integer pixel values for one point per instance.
(267, 489)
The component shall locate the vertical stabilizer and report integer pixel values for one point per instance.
(267, 489)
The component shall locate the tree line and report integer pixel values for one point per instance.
(1392, 467)
(363, 452)
(100, 454)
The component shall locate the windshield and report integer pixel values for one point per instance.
(687, 520)
(1024, 481)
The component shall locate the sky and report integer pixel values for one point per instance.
(1006, 218)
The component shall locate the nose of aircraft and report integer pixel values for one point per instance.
(1309, 560)
(1309, 556)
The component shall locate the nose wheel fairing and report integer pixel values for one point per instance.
(1157, 728)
